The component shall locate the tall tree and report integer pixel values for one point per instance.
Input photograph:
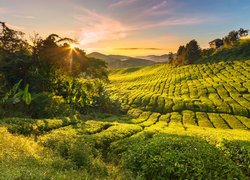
(181, 50)
(193, 52)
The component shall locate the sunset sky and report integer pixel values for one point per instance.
(128, 27)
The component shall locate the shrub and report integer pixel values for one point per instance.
(47, 105)
(239, 152)
(178, 157)
(79, 150)
(19, 125)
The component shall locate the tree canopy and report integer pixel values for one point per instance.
(188, 54)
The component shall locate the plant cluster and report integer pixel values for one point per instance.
(47, 78)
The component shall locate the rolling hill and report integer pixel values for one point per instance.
(171, 112)
(207, 95)
(118, 61)
(155, 58)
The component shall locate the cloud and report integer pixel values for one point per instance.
(169, 22)
(98, 27)
(14, 26)
(159, 6)
(23, 16)
(154, 49)
(168, 37)
(3, 10)
(122, 3)
(95, 27)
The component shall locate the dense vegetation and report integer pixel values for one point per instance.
(62, 119)
(232, 47)
(47, 78)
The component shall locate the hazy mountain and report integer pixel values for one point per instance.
(104, 57)
(155, 58)
(119, 61)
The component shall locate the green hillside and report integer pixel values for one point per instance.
(221, 88)
(192, 121)
(142, 90)
(239, 51)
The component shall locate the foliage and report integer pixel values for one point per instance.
(16, 95)
(193, 52)
(208, 88)
(233, 37)
(16, 99)
(22, 158)
(49, 67)
(11, 40)
(188, 54)
(85, 95)
(46, 105)
(166, 157)
(239, 52)
(170, 57)
(206, 53)
(239, 152)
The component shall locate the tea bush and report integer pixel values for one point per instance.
(178, 157)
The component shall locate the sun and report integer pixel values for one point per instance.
(72, 46)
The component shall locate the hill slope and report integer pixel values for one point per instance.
(155, 58)
(211, 95)
(117, 61)
(172, 113)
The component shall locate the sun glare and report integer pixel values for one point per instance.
(72, 46)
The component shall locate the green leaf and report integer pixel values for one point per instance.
(26, 95)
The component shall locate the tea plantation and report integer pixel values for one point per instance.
(208, 95)
(189, 122)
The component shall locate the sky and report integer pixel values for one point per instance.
(128, 27)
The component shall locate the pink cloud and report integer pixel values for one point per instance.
(98, 27)
(159, 6)
(95, 27)
(3, 10)
(122, 3)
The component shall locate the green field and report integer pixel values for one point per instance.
(189, 122)
(207, 95)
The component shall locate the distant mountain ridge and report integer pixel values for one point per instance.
(119, 61)
(155, 58)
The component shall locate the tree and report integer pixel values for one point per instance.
(226, 42)
(14, 55)
(233, 37)
(206, 53)
(170, 57)
(180, 56)
(181, 51)
(243, 32)
(40, 63)
(11, 40)
(193, 52)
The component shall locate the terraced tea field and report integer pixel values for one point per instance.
(206, 95)
(189, 122)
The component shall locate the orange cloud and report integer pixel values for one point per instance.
(154, 49)
(98, 27)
